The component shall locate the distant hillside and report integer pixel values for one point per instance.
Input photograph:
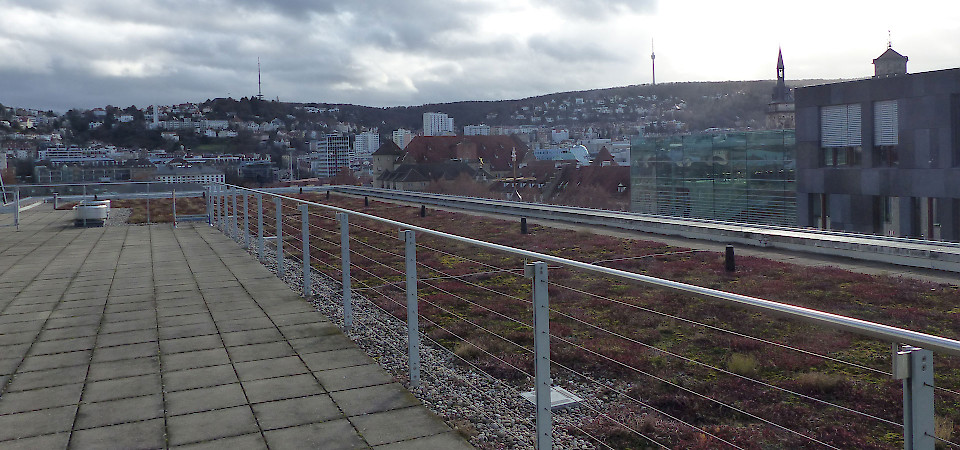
(700, 105)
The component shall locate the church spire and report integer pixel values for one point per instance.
(780, 92)
(780, 64)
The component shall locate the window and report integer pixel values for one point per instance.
(955, 127)
(886, 133)
(840, 135)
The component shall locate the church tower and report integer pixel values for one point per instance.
(780, 110)
(890, 63)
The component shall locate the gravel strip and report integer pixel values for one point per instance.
(118, 216)
(490, 413)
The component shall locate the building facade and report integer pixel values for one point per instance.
(331, 154)
(437, 124)
(476, 130)
(737, 176)
(881, 155)
(365, 144)
(189, 174)
(402, 137)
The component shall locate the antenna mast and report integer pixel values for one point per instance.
(259, 88)
(653, 63)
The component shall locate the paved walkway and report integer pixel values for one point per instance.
(150, 337)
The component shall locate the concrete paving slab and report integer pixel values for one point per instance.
(353, 377)
(63, 345)
(398, 425)
(253, 352)
(190, 344)
(47, 378)
(195, 359)
(446, 441)
(336, 341)
(335, 359)
(124, 368)
(129, 351)
(331, 435)
(296, 411)
(43, 362)
(118, 388)
(50, 441)
(115, 412)
(282, 388)
(367, 400)
(127, 338)
(147, 434)
(270, 368)
(36, 423)
(205, 399)
(260, 336)
(209, 425)
(43, 398)
(196, 378)
(252, 441)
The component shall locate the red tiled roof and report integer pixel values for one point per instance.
(496, 151)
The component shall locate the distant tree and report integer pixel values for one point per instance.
(464, 185)
(345, 177)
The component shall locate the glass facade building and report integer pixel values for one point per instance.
(741, 176)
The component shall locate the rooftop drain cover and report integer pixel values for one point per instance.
(559, 397)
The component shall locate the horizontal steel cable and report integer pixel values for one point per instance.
(691, 391)
(467, 341)
(723, 330)
(724, 371)
(641, 403)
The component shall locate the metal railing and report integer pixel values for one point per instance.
(912, 351)
(26, 195)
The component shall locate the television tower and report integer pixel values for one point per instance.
(259, 88)
(653, 63)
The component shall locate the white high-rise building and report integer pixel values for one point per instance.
(402, 137)
(437, 124)
(366, 143)
(331, 154)
(476, 130)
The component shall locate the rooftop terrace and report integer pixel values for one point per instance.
(154, 337)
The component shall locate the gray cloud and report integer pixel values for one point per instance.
(599, 9)
(60, 54)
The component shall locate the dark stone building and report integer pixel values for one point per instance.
(881, 155)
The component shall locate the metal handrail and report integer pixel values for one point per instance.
(359, 190)
(883, 332)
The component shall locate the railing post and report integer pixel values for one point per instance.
(209, 197)
(914, 366)
(413, 327)
(246, 220)
(260, 226)
(148, 201)
(16, 209)
(305, 238)
(213, 205)
(236, 228)
(174, 194)
(345, 269)
(541, 345)
(279, 203)
(222, 216)
(223, 208)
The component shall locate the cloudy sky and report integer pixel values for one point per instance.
(59, 54)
